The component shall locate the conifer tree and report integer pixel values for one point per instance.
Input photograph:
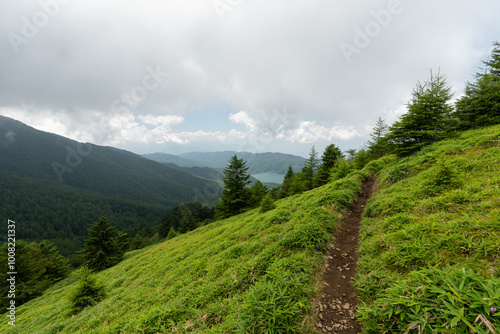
(480, 105)
(378, 143)
(257, 193)
(428, 118)
(104, 247)
(87, 293)
(286, 186)
(267, 203)
(236, 196)
(330, 156)
(310, 168)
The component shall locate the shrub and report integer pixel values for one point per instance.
(87, 293)
(442, 177)
(310, 236)
(267, 203)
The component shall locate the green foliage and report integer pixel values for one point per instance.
(434, 214)
(310, 169)
(236, 196)
(186, 217)
(251, 272)
(442, 177)
(272, 305)
(286, 187)
(38, 266)
(87, 292)
(378, 145)
(330, 156)
(62, 215)
(340, 170)
(257, 193)
(267, 203)
(361, 158)
(428, 119)
(450, 300)
(376, 165)
(172, 233)
(480, 105)
(104, 247)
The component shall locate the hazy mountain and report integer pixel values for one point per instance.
(257, 162)
(28, 152)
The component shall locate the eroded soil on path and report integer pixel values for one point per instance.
(336, 307)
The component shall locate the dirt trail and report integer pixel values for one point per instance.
(336, 307)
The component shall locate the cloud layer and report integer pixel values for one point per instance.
(132, 72)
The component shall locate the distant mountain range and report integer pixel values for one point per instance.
(256, 162)
(55, 187)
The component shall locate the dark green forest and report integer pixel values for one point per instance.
(62, 214)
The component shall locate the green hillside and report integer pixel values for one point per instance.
(430, 240)
(255, 271)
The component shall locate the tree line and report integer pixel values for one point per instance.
(433, 117)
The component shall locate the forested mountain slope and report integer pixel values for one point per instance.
(55, 187)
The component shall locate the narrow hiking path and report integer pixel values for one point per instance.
(336, 307)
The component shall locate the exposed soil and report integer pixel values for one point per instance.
(336, 307)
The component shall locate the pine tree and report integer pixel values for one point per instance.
(480, 105)
(493, 65)
(286, 186)
(428, 118)
(310, 168)
(378, 143)
(104, 247)
(236, 196)
(257, 193)
(331, 154)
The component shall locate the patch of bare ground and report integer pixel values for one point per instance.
(336, 307)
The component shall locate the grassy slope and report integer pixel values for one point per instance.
(434, 215)
(249, 273)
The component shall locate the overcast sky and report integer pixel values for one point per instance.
(248, 75)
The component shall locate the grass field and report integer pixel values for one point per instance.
(252, 273)
(430, 240)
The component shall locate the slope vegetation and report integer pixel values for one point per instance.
(254, 272)
(429, 256)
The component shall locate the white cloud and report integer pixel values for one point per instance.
(264, 55)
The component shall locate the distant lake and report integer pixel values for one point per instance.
(269, 177)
